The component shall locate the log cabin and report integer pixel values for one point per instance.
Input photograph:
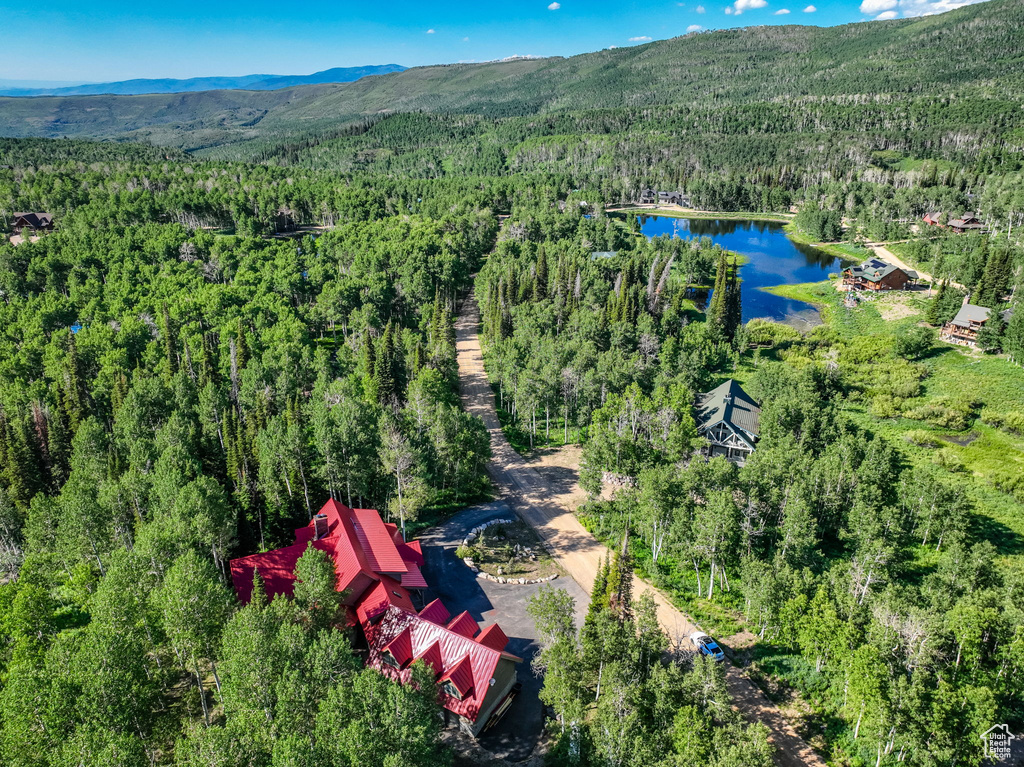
(876, 274)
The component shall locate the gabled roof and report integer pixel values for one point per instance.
(461, 676)
(413, 579)
(386, 594)
(380, 551)
(376, 567)
(360, 545)
(464, 624)
(874, 270)
(493, 637)
(469, 665)
(969, 313)
(432, 657)
(436, 612)
(35, 220)
(730, 404)
(401, 647)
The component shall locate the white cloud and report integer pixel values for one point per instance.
(554, 6)
(872, 7)
(465, 39)
(694, 28)
(700, 9)
(641, 39)
(745, 5)
(782, 11)
(612, 47)
(810, 9)
(891, 9)
(728, 10)
(430, 31)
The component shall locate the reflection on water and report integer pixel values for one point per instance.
(774, 259)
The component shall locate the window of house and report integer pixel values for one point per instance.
(451, 689)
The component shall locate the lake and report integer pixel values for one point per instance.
(774, 259)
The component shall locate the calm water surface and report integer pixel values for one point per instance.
(774, 259)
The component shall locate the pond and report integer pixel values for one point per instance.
(773, 259)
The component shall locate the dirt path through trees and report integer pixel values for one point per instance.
(577, 551)
(889, 257)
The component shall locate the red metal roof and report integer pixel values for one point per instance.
(414, 578)
(277, 569)
(436, 612)
(493, 637)
(411, 552)
(381, 553)
(401, 647)
(464, 624)
(481, 661)
(460, 675)
(358, 542)
(366, 553)
(432, 657)
(385, 594)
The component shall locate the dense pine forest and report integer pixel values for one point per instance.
(241, 314)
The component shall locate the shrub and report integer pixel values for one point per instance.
(955, 413)
(913, 343)
(948, 459)
(884, 406)
(1011, 482)
(991, 417)
(921, 438)
(465, 552)
(1012, 422)
(762, 332)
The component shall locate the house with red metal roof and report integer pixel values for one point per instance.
(379, 574)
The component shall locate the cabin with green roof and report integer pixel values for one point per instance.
(730, 420)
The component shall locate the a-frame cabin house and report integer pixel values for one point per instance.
(730, 420)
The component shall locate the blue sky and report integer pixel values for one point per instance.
(100, 40)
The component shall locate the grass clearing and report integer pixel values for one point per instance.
(991, 458)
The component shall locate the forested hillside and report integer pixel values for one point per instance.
(975, 52)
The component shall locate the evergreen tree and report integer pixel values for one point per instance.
(1013, 340)
(996, 277)
(718, 309)
(990, 335)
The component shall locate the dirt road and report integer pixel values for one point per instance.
(577, 551)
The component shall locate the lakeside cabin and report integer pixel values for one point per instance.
(652, 196)
(379, 574)
(730, 420)
(33, 222)
(876, 274)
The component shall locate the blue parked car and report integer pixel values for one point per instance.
(707, 646)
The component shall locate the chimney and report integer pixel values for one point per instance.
(320, 525)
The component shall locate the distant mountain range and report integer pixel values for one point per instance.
(194, 84)
(972, 57)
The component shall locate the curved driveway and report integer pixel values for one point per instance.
(577, 551)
